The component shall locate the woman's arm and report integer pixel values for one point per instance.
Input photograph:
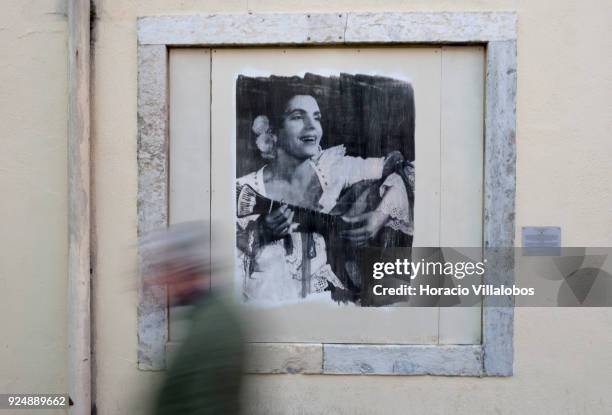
(371, 223)
(372, 168)
(260, 230)
(397, 199)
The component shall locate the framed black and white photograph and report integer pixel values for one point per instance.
(368, 106)
(325, 169)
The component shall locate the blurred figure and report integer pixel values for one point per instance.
(205, 375)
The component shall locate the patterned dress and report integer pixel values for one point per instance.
(287, 269)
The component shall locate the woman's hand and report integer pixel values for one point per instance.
(392, 161)
(279, 223)
(371, 223)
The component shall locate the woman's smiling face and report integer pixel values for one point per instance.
(301, 131)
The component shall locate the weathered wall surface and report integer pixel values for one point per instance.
(33, 235)
(562, 362)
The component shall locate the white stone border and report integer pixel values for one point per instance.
(326, 28)
(497, 31)
(80, 272)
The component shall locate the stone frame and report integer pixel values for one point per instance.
(495, 30)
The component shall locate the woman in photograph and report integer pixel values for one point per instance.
(278, 261)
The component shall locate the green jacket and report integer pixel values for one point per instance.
(205, 375)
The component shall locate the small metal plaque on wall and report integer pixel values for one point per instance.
(541, 240)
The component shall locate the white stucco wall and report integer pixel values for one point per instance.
(33, 201)
(563, 362)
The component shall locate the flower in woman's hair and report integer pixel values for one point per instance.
(265, 141)
(261, 125)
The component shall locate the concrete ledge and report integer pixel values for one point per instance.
(402, 359)
(302, 358)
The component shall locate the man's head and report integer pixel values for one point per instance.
(178, 257)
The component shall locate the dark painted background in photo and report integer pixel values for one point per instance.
(370, 115)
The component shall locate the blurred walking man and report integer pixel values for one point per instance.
(205, 375)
